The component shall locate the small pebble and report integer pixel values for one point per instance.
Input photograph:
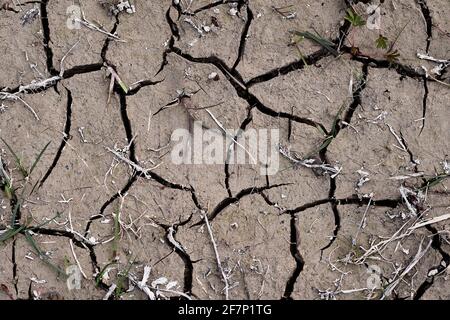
(433, 272)
(213, 76)
(233, 11)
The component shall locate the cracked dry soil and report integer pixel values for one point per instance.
(298, 234)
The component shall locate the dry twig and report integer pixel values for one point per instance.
(216, 252)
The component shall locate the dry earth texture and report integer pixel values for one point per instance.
(89, 100)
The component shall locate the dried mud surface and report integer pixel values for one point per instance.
(298, 234)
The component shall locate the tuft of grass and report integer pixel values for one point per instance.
(43, 256)
(355, 19)
(23, 170)
(381, 42)
(9, 190)
(99, 277)
(122, 279)
(17, 228)
(11, 233)
(17, 159)
(331, 135)
(392, 56)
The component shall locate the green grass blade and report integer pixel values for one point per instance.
(434, 181)
(123, 276)
(10, 233)
(22, 169)
(319, 40)
(123, 86)
(42, 256)
(8, 191)
(99, 277)
(17, 208)
(58, 214)
(39, 157)
(15, 211)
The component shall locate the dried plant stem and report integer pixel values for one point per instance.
(216, 252)
(92, 26)
(419, 255)
(76, 259)
(308, 163)
(135, 166)
(230, 135)
(14, 97)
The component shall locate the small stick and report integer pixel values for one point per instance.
(427, 75)
(284, 13)
(219, 264)
(407, 176)
(403, 147)
(230, 135)
(142, 285)
(61, 64)
(135, 166)
(308, 162)
(83, 238)
(72, 248)
(405, 192)
(110, 291)
(208, 107)
(419, 255)
(430, 58)
(76, 259)
(380, 246)
(14, 97)
(160, 148)
(115, 78)
(172, 240)
(363, 221)
(198, 29)
(431, 221)
(174, 292)
(92, 26)
(40, 85)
